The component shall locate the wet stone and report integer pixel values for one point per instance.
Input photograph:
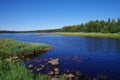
(51, 73)
(39, 69)
(54, 62)
(30, 65)
(69, 76)
(54, 78)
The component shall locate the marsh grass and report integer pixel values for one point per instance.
(101, 35)
(17, 71)
(9, 47)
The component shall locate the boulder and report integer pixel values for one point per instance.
(54, 62)
(69, 76)
(30, 65)
(56, 70)
(51, 73)
(54, 78)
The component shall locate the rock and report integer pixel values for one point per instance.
(30, 65)
(69, 76)
(67, 71)
(78, 76)
(56, 69)
(54, 62)
(51, 73)
(102, 77)
(45, 60)
(39, 69)
(15, 57)
(8, 59)
(36, 60)
(27, 59)
(75, 58)
(54, 78)
(43, 66)
(57, 73)
(47, 49)
(50, 58)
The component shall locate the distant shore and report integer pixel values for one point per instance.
(101, 35)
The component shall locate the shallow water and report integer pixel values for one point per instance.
(91, 56)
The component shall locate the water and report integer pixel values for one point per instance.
(95, 56)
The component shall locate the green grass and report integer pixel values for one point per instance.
(17, 71)
(9, 47)
(102, 35)
(12, 70)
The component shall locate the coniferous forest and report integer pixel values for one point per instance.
(110, 26)
(100, 26)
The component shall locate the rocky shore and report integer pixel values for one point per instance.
(55, 72)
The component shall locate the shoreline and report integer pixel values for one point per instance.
(20, 51)
(13, 53)
(98, 35)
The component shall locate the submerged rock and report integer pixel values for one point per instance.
(39, 69)
(102, 77)
(43, 66)
(37, 60)
(78, 76)
(90, 78)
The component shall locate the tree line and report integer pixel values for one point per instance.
(110, 26)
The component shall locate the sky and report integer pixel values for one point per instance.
(21, 15)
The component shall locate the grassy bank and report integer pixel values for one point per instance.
(9, 47)
(102, 35)
(16, 70)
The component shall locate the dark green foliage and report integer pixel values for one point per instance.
(111, 26)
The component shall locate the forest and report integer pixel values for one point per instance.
(110, 26)
(98, 26)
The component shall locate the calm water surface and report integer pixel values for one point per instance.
(96, 56)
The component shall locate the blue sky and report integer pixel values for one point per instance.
(50, 14)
